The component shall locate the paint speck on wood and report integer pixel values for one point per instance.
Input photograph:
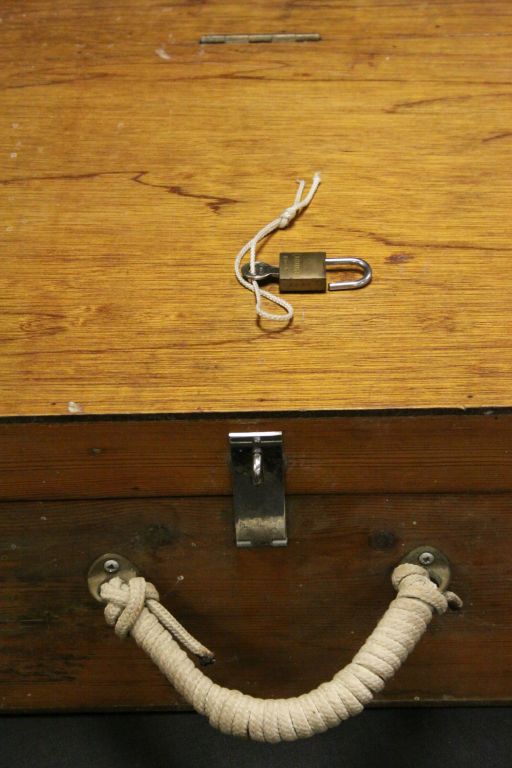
(162, 53)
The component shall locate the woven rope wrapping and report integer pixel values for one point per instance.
(134, 608)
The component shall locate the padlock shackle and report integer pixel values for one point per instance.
(350, 285)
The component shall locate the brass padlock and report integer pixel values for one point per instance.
(302, 272)
(306, 272)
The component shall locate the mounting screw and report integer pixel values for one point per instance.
(426, 558)
(111, 566)
(429, 557)
(110, 563)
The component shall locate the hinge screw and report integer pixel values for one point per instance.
(426, 558)
(111, 566)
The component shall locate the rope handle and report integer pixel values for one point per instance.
(133, 608)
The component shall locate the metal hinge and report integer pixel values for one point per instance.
(258, 488)
(279, 37)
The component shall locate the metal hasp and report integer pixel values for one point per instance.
(257, 467)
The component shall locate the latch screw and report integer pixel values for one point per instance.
(426, 558)
(111, 566)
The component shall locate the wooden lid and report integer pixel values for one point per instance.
(136, 162)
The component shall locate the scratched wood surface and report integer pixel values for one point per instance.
(135, 163)
(279, 620)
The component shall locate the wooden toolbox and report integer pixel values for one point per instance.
(136, 161)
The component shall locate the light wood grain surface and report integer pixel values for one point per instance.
(135, 163)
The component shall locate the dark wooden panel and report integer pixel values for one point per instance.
(279, 620)
(375, 453)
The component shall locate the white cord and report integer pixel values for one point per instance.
(280, 222)
(133, 608)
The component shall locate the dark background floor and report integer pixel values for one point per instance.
(402, 738)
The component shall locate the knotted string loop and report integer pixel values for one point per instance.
(281, 222)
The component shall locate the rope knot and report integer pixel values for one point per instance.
(126, 601)
(287, 216)
(414, 581)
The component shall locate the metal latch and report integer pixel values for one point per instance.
(258, 488)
